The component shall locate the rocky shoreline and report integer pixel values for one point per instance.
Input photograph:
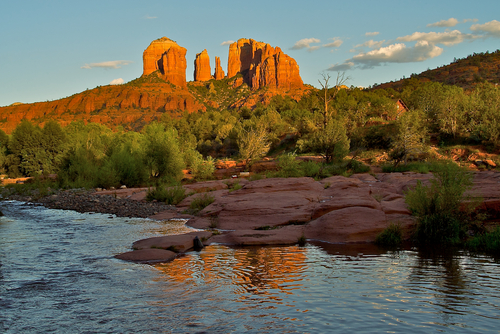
(276, 211)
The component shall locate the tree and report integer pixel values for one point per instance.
(410, 136)
(328, 95)
(253, 143)
(331, 142)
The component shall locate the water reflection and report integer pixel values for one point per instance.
(256, 270)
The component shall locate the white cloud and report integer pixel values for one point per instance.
(227, 43)
(395, 53)
(335, 44)
(447, 38)
(306, 44)
(118, 81)
(107, 64)
(371, 44)
(451, 22)
(491, 28)
(374, 33)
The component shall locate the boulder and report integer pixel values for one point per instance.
(150, 255)
(202, 71)
(177, 243)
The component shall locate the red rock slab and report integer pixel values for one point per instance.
(206, 186)
(179, 243)
(165, 215)
(149, 255)
(348, 225)
(395, 206)
(346, 201)
(186, 202)
(287, 235)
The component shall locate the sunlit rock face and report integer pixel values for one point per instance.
(262, 65)
(202, 71)
(169, 58)
(219, 72)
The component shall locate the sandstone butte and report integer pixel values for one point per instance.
(338, 210)
(262, 65)
(219, 72)
(169, 58)
(137, 103)
(202, 71)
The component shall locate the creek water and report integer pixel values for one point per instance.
(58, 275)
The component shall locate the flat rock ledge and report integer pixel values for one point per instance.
(337, 210)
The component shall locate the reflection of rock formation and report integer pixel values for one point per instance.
(262, 65)
(202, 70)
(219, 72)
(169, 58)
(256, 270)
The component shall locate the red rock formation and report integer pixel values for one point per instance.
(202, 71)
(219, 72)
(262, 65)
(167, 56)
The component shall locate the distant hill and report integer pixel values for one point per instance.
(464, 72)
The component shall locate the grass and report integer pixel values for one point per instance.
(392, 236)
(200, 202)
(169, 195)
(488, 242)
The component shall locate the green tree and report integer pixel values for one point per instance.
(253, 143)
(331, 142)
(163, 157)
(410, 136)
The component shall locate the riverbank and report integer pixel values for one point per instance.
(274, 211)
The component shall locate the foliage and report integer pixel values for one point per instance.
(391, 236)
(253, 144)
(289, 166)
(201, 202)
(487, 242)
(409, 140)
(332, 142)
(172, 195)
(438, 206)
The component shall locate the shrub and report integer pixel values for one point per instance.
(442, 218)
(201, 202)
(487, 242)
(169, 195)
(391, 236)
(289, 166)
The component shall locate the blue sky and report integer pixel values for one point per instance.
(52, 49)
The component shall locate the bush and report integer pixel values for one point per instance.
(487, 242)
(391, 236)
(169, 195)
(289, 166)
(442, 218)
(201, 202)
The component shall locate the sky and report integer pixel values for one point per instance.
(52, 49)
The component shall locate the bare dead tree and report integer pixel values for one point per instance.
(329, 96)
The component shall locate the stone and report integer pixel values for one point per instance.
(262, 65)
(169, 58)
(202, 67)
(150, 255)
(177, 243)
(219, 72)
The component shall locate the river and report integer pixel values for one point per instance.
(58, 275)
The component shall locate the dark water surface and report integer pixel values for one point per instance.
(58, 275)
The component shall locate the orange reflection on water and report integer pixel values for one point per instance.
(256, 270)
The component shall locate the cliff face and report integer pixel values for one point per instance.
(167, 56)
(219, 72)
(131, 106)
(202, 71)
(262, 65)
